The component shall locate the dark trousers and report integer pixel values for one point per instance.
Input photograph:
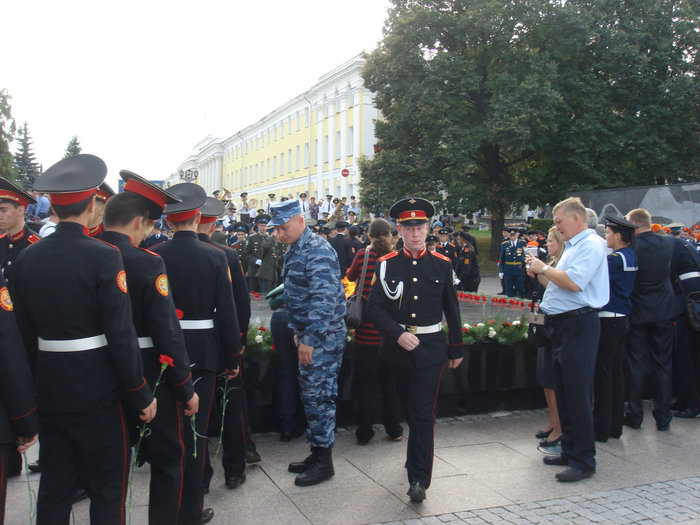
(418, 390)
(686, 346)
(609, 389)
(657, 338)
(574, 347)
(5, 450)
(373, 380)
(90, 449)
(287, 381)
(164, 450)
(514, 284)
(192, 495)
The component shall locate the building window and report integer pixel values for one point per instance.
(289, 161)
(267, 169)
(325, 149)
(274, 166)
(307, 116)
(281, 163)
(350, 141)
(337, 144)
(282, 129)
(307, 155)
(296, 166)
(315, 153)
(298, 121)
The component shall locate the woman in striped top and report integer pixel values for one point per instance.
(373, 376)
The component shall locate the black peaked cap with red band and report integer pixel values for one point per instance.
(104, 192)
(156, 198)
(212, 209)
(192, 198)
(73, 179)
(10, 192)
(412, 211)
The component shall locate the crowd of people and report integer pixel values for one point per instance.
(149, 321)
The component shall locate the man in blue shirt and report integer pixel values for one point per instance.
(576, 289)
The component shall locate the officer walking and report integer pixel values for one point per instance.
(316, 308)
(510, 264)
(253, 253)
(412, 289)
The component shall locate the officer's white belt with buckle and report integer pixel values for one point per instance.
(605, 313)
(198, 324)
(73, 345)
(145, 342)
(430, 329)
(689, 275)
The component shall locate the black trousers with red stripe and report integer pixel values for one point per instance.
(418, 390)
(192, 496)
(164, 449)
(87, 449)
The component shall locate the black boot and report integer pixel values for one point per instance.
(320, 470)
(299, 467)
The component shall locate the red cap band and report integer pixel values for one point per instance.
(71, 198)
(102, 195)
(413, 215)
(183, 215)
(146, 191)
(14, 197)
(206, 220)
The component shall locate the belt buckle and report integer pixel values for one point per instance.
(412, 329)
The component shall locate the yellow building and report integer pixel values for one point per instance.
(310, 144)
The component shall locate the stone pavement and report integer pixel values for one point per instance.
(487, 470)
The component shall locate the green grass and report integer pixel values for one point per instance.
(483, 240)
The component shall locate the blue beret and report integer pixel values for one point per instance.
(283, 211)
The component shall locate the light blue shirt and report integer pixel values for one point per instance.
(584, 261)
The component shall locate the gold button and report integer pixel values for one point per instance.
(413, 315)
(414, 262)
(415, 279)
(415, 297)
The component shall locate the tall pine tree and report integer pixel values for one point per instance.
(73, 147)
(25, 162)
(7, 135)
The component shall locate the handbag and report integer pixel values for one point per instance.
(356, 304)
(536, 332)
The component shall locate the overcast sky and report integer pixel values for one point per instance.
(140, 83)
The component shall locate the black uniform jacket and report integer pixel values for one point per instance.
(11, 245)
(427, 293)
(344, 248)
(240, 289)
(685, 267)
(18, 416)
(154, 316)
(200, 284)
(70, 286)
(652, 297)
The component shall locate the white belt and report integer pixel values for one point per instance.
(73, 345)
(145, 342)
(688, 275)
(199, 324)
(604, 313)
(430, 329)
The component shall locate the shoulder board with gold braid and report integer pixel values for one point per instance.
(388, 256)
(33, 238)
(441, 256)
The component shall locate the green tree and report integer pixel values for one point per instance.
(7, 135)
(26, 165)
(492, 105)
(73, 147)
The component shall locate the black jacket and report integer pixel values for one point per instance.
(652, 298)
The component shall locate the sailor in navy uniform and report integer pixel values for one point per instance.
(15, 235)
(412, 289)
(128, 217)
(237, 434)
(73, 311)
(201, 288)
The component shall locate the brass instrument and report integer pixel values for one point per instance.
(338, 214)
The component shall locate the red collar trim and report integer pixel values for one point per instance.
(410, 255)
(17, 236)
(95, 231)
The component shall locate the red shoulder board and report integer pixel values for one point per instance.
(33, 238)
(388, 256)
(441, 256)
(3, 235)
(148, 251)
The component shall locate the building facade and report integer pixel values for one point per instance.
(310, 144)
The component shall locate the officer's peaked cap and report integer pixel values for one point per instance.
(412, 211)
(72, 179)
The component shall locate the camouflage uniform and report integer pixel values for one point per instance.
(316, 308)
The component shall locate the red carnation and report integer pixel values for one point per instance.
(273, 348)
(179, 313)
(262, 329)
(166, 360)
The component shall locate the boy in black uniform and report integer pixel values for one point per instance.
(237, 432)
(411, 289)
(128, 217)
(201, 288)
(74, 314)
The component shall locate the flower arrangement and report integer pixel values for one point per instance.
(497, 330)
(259, 343)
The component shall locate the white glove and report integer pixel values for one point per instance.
(500, 275)
(457, 281)
(258, 262)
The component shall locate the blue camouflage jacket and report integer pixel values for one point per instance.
(312, 290)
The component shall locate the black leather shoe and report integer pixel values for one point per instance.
(207, 516)
(235, 482)
(34, 466)
(574, 474)
(320, 470)
(543, 434)
(252, 456)
(553, 443)
(416, 492)
(298, 467)
(559, 460)
(629, 422)
(688, 413)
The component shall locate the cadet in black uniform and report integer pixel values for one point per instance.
(201, 288)
(128, 218)
(343, 247)
(237, 434)
(16, 235)
(411, 290)
(446, 248)
(95, 226)
(19, 421)
(74, 314)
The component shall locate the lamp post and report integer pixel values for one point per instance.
(189, 175)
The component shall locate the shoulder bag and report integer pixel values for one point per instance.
(357, 304)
